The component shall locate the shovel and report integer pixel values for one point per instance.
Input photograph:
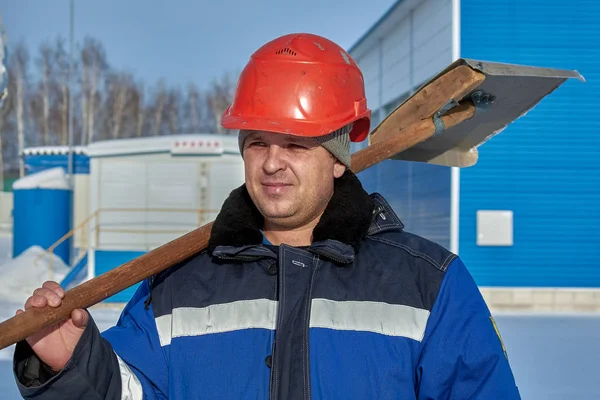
(444, 122)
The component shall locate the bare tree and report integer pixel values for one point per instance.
(5, 106)
(61, 109)
(193, 107)
(197, 112)
(160, 96)
(49, 100)
(123, 105)
(93, 64)
(18, 67)
(6, 126)
(141, 109)
(219, 97)
(117, 94)
(44, 62)
(173, 107)
(84, 106)
(107, 103)
(132, 109)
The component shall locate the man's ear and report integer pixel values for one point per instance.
(338, 169)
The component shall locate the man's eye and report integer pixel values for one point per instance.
(257, 144)
(296, 146)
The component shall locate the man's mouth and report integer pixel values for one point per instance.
(274, 188)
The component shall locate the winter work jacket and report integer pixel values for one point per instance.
(368, 311)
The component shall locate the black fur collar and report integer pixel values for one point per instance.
(346, 219)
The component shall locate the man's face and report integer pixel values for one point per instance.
(289, 178)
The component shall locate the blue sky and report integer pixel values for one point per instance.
(185, 40)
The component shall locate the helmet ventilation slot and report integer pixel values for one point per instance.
(286, 50)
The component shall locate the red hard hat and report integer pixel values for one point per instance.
(300, 84)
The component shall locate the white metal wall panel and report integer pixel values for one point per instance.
(396, 59)
(172, 193)
(122, 186)
(223, 177)
(369, 65)
(432, 38)
(172, 185)
(148, 200)
(122, 183)
(81, 207)
(409, 53)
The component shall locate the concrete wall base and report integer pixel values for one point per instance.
(542, 299)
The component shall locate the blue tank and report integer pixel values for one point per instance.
(41, 215)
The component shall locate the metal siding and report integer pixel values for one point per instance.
(148, 200)
(432, 41)
(396, 77)
(223, 178)
(369, 65)
(41, 162)
(171, 185)
(419, 193)
(544, 167)
(122, 185)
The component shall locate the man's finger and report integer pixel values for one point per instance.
(55, 287)
(54, 300)
(35, 301)
(80, 318)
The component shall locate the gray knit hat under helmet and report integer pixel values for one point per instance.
(337, 142)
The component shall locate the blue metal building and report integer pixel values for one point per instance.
(540, 177)
(546, 167)
(38, 159)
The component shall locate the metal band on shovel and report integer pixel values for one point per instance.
(442, 123)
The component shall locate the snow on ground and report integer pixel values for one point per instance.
(5, 248)
(553, 356)
(23, 274)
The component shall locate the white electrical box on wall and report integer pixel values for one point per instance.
(494, 228)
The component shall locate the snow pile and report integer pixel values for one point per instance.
(5, 250)
(21, 275)
(8, 310)
(53, 178)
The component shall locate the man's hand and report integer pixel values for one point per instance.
(54, 344)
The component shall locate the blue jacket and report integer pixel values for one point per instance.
(368, 311)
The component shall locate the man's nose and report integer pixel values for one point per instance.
(275, 160)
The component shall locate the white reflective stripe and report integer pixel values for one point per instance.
(131, 388)
(217, 318)
(163, 325)
(383, 318)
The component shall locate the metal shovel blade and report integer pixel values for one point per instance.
(508, 92)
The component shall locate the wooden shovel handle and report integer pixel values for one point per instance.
(110, 283)
(407, 138)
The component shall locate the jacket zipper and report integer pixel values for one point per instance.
(280, 277)
(307, 327)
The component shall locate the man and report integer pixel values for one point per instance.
(310, 287)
